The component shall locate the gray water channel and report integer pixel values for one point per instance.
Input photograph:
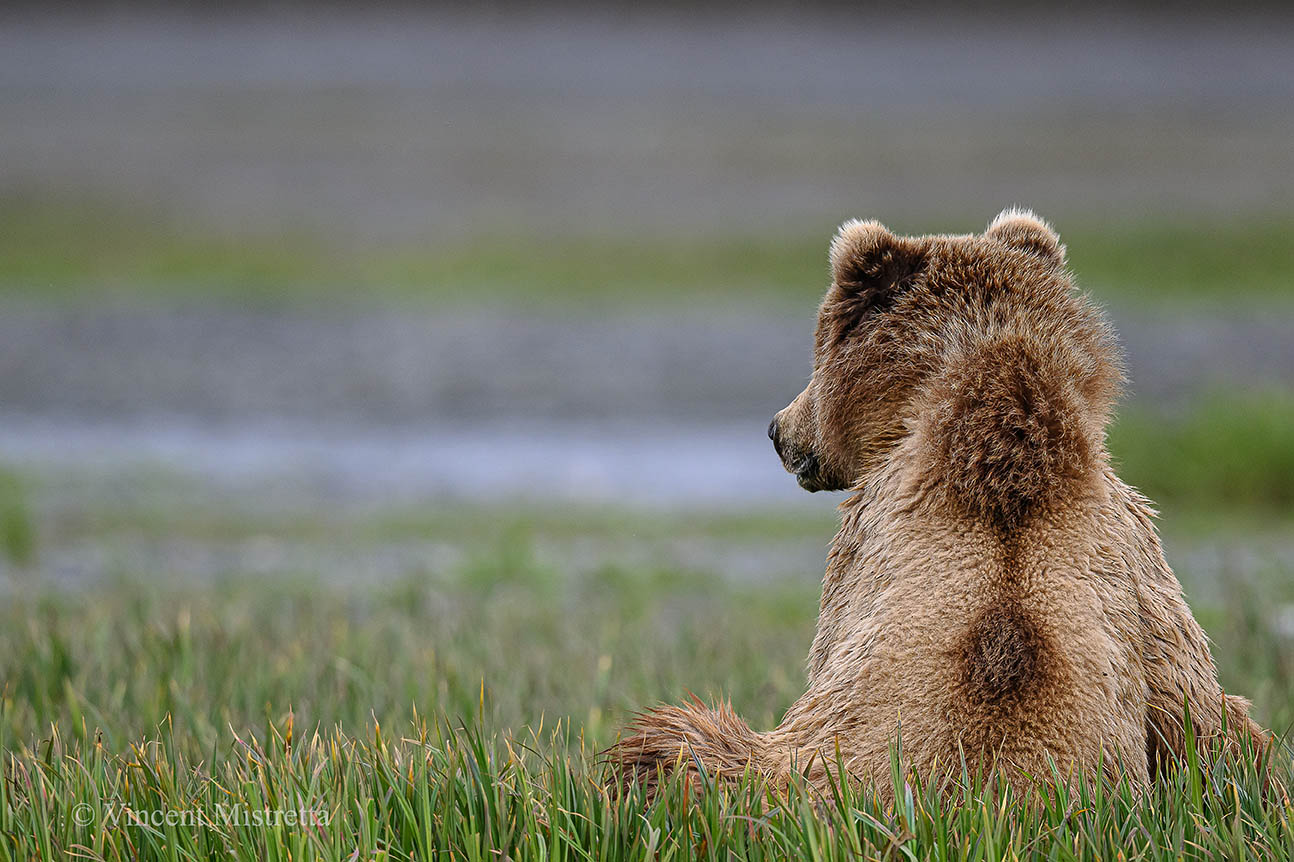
(657, 410)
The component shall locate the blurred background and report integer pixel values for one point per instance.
(362, 293)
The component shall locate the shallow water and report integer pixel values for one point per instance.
(653, 410)
(687, 467)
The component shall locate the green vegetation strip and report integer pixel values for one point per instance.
(95, 252)
(1225, 451)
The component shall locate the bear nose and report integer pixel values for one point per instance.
(772, 435)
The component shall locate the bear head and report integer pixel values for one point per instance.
(949, 333)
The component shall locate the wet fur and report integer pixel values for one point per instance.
(994, 592)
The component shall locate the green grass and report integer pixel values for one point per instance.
(460, 713)
(438, 792)
(17, 529)
(1224, 452)
(94, 252)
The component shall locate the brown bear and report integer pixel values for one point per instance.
(995, 592)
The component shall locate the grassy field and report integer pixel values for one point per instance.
(461, 713)
(92, 253)
(457, 712)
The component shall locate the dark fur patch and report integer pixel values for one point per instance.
(1003, 656)
(1011, 437)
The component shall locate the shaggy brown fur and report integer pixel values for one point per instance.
(995, 592)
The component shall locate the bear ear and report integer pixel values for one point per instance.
(866, 256)
(870, 267)
(1022, 230)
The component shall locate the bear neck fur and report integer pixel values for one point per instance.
(1013, 422)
